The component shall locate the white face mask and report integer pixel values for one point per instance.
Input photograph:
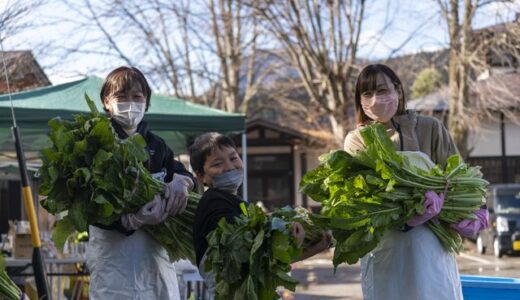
(229, 181)
(128, 114)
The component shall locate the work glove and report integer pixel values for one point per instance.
(432, 206)
(470, 228)
(176, 194)
(152, 213)
(298, 232)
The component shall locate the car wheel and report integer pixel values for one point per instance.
(496, 248)
(480, 245)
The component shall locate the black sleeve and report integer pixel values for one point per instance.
(213, 219)
(212, 208)
(117, 225)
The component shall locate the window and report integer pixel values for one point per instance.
(270, 180)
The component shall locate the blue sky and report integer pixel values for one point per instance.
(423, 20)
(389, 25)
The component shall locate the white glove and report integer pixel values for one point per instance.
(152, 213)
(176, 194)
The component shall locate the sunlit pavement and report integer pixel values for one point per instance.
(318, 281)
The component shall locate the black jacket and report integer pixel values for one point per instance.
(214, 205)
(161, 160)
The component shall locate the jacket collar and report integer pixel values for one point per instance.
(406, 120)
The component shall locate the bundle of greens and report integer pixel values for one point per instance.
(380, 189)
(8, 289)
(96, 178)
(251, 256)
(176, 233)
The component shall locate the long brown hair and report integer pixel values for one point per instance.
(367, 81)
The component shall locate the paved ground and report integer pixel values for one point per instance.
(318, 281)
(470, 262)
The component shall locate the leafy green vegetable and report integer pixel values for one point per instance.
(176, 233)
(251, 256)
(8, 289)
(380, 189)
(97, 177)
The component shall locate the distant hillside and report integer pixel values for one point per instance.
(409, 66)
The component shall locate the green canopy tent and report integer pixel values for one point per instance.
(171, 118)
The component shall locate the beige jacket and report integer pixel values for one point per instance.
(420, 133)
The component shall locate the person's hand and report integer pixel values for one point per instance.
(432, 206)
(298, 232)
(152, 213)
(470, 228)
(323, 244)
(176, 194)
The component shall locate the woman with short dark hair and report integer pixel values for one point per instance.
(124, 261)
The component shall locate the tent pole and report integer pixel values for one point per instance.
(244, 160)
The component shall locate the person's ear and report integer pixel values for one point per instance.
(106, 104)
(200, 177)
(399, 90)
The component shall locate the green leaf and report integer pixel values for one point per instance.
(106, 209)
(243, 208)
(259, 239)
(280, 245)
(64, 228)
(80, 147)
(359, 183)
(91, 104)
(289, 282)
(78, 214)
(101, 133)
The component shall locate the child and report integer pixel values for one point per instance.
(216, 164)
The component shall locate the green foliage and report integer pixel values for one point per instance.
(427, 82)
(176, 233)
(381, 189)
(92, 174)
(8, 289)
(251, 256)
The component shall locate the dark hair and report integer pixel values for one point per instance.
(367, 81)
(124, 78)
(203, 146)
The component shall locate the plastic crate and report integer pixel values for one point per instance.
(490, 288)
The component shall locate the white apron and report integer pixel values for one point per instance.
(210, 280)
(410, 266)
(129, 267)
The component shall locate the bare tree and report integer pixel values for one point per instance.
(470, 51)
(14, 17)
(118, 32)
(321, 39)
(202, 50)
(235, 32)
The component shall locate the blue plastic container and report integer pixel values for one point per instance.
(490, 288)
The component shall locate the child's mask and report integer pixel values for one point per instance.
(229, 181)
(381, 108)
(128, 114)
